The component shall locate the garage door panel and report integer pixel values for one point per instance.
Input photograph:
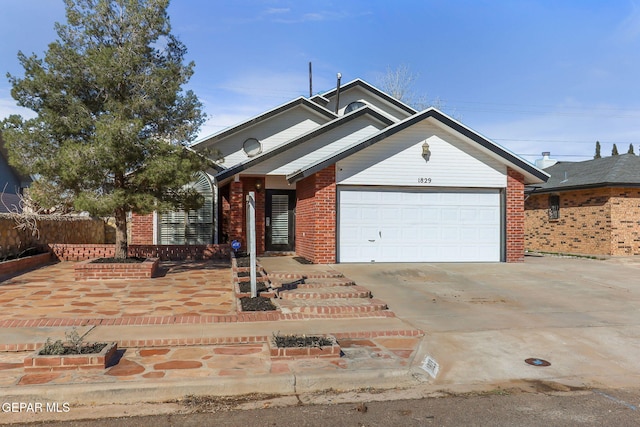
(430, 215)
(389, 213)
(413, 226)
(449, 215)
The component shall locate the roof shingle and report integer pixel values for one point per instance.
(618, 170)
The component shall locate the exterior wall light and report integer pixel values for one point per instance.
(258, 185)
(425, 150)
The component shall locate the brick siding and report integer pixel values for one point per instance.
(236, 213)
(599, 221)
(238, 192)
(87, 270)
(316, 217)
(141, 229)
(515, 217)
(81, 252)
(625, 221)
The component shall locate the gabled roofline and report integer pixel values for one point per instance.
(263, 116)
(320, 100)
(227, 173)
(547, 190)
(511, 158)
(375, 90)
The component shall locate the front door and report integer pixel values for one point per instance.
(280, 220)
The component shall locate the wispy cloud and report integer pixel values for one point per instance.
(267, 84)
(277, 10)
(289, 16)
(629, 29)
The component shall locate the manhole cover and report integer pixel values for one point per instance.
(537, 362)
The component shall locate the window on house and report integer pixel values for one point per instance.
(192, 227)
(554, 207)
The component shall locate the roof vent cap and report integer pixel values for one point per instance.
(545, 161)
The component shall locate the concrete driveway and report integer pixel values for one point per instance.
(483, 320)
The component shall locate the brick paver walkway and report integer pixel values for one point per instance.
(194, 288)
(189, 292)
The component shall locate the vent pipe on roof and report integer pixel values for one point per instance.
(310, 81)
(545, 161)
(338, 93)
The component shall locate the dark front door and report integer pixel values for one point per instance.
(280, 220)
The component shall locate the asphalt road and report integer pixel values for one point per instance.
(496, 408)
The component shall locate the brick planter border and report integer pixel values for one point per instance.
(41, 363)
(288, 353)
(86, 270)
(18, 265)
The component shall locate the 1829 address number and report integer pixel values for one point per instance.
(424, 180)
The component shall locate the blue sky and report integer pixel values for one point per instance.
(531, 75)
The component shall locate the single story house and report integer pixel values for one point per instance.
(590, 207)
(354, 175)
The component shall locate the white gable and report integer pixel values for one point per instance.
(358, 93)
(270, 132)
(398, 161)
(319, 147)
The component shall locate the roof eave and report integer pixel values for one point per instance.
(303, 138)
(533, 174)
(383, 95)
(263, 116)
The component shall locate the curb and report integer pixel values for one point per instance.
(276, 384)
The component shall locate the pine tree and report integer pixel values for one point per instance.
(614, 150)
(631, 149)
(112, 118)
(597, 155)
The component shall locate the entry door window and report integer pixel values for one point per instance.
(280, 220)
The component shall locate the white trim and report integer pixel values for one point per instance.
(155, 227)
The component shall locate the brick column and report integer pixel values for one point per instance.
(236, 215)
(249, 184)
(325, 210)
(141, 229)
(316, 217)
(305, 218)
(515, 217)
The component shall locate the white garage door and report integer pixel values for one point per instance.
(399, 225)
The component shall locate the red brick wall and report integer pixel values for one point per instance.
(141, 229)
(21, 264)
(326, 216)
(316, 217)
(249, 184)
(81, 252)
(625, 221)
(515, 217)
(305, 218)
(583, 225)
(237, 215)
(597, 221)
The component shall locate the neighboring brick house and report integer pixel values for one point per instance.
(367, 180)
(590, 207)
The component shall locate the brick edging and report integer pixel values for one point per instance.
(245, 339)
(172, 320)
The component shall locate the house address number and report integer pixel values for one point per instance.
(424, 180)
